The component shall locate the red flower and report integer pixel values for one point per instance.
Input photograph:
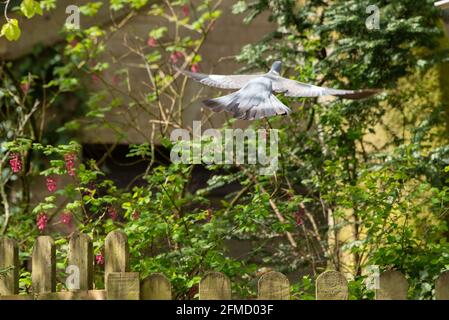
(298, 217)
(175, 56)
(209, 215)
(185, 11)
(41, 221)
(152, 42)
(95, 78)
(115, 80)
(135, 215)
(51, 184)
(195, 67)
(25, 86)
(70, 163)
(73, 43)
(112, 213)
(193, 291)
(15, 162)
(66, 218)
(99, 259)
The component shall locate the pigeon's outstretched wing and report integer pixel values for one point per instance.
(219, 81)
(288, 87)
(292, 88)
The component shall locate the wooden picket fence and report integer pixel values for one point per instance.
(124, 285)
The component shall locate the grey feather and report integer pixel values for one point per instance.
(219, 81)
(293, 88)
(254, 101)
(254, 98)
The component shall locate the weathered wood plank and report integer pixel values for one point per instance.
(331, 285)
(215, 286)
(80, 255)
(273, 286)
(392, 286)
(17, 297)
(9, 260)
(155, 287)
(116, 253)
(442, 286)
(73, 295)
(43, 274)
(123, 286)
(442, 4)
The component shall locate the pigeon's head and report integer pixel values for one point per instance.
(276, 66)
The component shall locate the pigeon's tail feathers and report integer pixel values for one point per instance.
(248, 108)
(279, 106)
(225, 103)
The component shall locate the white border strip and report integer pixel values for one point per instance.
(443, 4)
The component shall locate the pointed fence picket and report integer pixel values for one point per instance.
(122, 284)
(81, 257)
(9, 260)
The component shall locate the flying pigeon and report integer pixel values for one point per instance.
(255, 97)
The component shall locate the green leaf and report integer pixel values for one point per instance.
(91, 9)
(239, 7)
(30, 7)
(158, 33)
(48, 4)
(154, 56)
(11, 30)
(38, 8)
